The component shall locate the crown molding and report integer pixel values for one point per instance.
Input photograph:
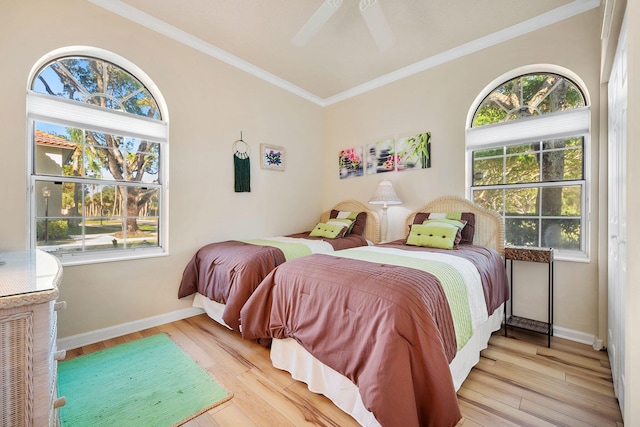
(561, 13)
(139, 17)
(548, 18)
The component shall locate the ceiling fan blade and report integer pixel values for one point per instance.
(317, 20)
(377, 23)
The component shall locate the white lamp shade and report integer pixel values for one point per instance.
(385, 194)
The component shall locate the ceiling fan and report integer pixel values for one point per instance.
(371, 12)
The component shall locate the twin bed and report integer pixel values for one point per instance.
(388, 332)
(223, 275)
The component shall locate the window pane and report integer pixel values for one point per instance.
(573, 164)
(103, 233)
(521, 232)
(561, 233)
(57, 152)
(522, 201)
(148, 201)
(87, 80)
(562, 165)
(52, 232)
(488, 171)
(141, 201)
(562, 201)
(147, 234)
(489, 112)
(101, 201)
(142, 160)
(529, 95)
(98, 161)
(58, 199)
(490, 199)
(72, 199)
(522, 168)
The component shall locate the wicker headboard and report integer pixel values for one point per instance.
(489, 225)
(372, 228)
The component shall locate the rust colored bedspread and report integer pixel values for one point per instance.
(228, 272)
(387, 328)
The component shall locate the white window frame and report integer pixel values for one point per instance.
(564, 124)
(65, 112)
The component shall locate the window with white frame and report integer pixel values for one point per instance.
(526, 151)
(98, 147)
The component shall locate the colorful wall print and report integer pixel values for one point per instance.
(381, 156)
(414, 152)
(272, 157)
(350, 162)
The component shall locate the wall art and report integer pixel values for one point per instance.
(413, 152)
(350, 163)
(272, 157)
(381, 156)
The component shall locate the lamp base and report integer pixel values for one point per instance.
(384, 225)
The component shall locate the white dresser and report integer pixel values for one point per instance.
(29, 283)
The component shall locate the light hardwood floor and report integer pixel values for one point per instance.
(518, 382)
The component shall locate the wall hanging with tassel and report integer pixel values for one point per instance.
(241, 166)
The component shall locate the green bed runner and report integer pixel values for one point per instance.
(451, 280)
(290, 250)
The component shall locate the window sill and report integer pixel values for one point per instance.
(101, 257)
(571, 256)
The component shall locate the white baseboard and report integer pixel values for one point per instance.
(75, 341)
(571, 335)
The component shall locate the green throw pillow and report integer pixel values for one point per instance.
(329, 231)
(342, 222)
(440, 236)
(460, 224)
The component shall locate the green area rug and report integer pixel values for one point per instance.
(147, 382)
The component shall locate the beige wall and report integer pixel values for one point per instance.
(438, 100)
(209, 104)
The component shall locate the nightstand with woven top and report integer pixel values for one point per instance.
(528, 254)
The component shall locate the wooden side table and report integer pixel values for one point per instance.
(542, 255)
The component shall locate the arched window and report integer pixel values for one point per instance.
(98, 147)
(526, 152)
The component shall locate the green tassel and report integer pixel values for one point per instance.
(242, 172)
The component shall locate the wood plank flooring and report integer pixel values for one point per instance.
(518, 382)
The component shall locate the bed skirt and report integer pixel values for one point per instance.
(288, 355)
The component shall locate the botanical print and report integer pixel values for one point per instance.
(272, 157)
(381, 157)
(350, 162)
(414, 152)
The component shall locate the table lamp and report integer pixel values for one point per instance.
(384, 195)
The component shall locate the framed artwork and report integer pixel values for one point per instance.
(350, 162)
(413, 152)
(271, 157)
(381, 156)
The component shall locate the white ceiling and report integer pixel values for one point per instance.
(341, 60)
